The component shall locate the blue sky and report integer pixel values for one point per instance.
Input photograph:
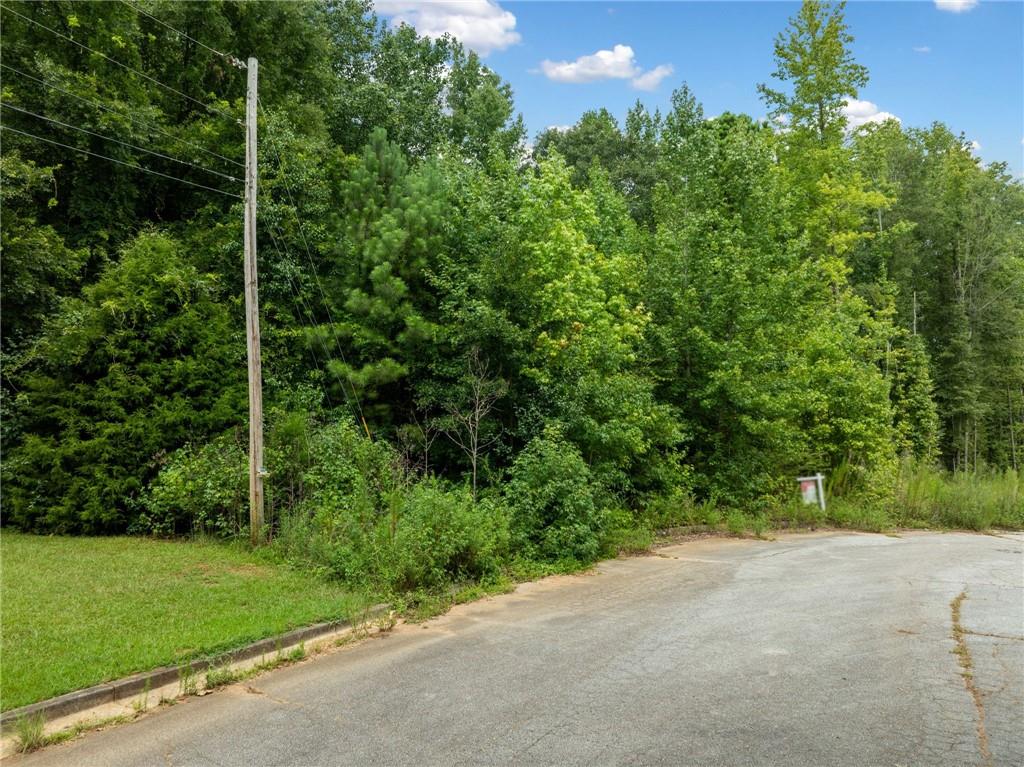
(957, 61)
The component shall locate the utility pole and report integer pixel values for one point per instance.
(252, 316)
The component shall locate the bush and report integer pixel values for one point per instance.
(345, 482)
(439, 535)
(199, 489)
(624, 534)
(424, 537)
(363, 520)
(551, 497)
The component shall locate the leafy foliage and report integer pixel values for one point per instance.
(554, 504)
(471, 348)
(141, 363)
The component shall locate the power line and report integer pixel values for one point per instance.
(309, 313)
(234, 61)
(316, 277)
(124, 66)
(133, 118)
(117, 141)
(120, 162)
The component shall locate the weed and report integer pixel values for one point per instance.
(386, 622)
(963, 653)
(31, 733)
(759, 525)
(218, 677)
(297, 653)
(736, 523)
(961, 500)
(142, 703)
(187, 684)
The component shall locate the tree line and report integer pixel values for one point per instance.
(572, 335)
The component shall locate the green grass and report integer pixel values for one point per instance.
(79, 611)
(980, 501)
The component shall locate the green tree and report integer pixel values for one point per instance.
(813, 57)
(145, 361)
(36, 267)
(388, 232)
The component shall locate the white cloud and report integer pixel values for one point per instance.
(860, 113)
(922, 49)
(482, 25)
(651, 79)
(559, 128)
(975, 146)
(618, 63)
(955, 6)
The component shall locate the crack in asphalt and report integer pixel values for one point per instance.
(963, 653)
(994, 636)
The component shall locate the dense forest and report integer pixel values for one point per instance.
(477, 347)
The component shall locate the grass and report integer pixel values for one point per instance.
(30, 733)
(218, 677)
(80, 611)
(31, 736)
(978, 501)
(922, 497)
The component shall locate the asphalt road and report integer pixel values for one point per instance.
(832, 649)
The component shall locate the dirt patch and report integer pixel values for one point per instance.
(210, 572)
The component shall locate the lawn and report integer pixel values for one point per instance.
(79, 611)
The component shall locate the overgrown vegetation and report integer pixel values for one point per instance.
(484, 360)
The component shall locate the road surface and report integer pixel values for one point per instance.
(825, 649)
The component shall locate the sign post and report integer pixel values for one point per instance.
(812, 489)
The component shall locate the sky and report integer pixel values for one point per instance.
(960, 62)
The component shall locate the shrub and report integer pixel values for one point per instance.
(439, 535)
(361, 519)
(199, 489)
(555, 513)
(425, 537)
(624, 534)
(346, 482)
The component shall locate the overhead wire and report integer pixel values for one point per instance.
(309, 314)
(150, 78)
(121, 162)
(117, 141)
(234, 60)
(316, 277)
(133, 118)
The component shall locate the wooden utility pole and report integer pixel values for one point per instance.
(252, 316)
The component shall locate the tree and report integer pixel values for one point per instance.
(481, 109)
(388, 230)
(145, 361)
(813, 56)
(466, 417)
(629, 157)
(36, 267)
(917, 418)
(760, 348)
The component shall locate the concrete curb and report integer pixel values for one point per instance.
(129, 686)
